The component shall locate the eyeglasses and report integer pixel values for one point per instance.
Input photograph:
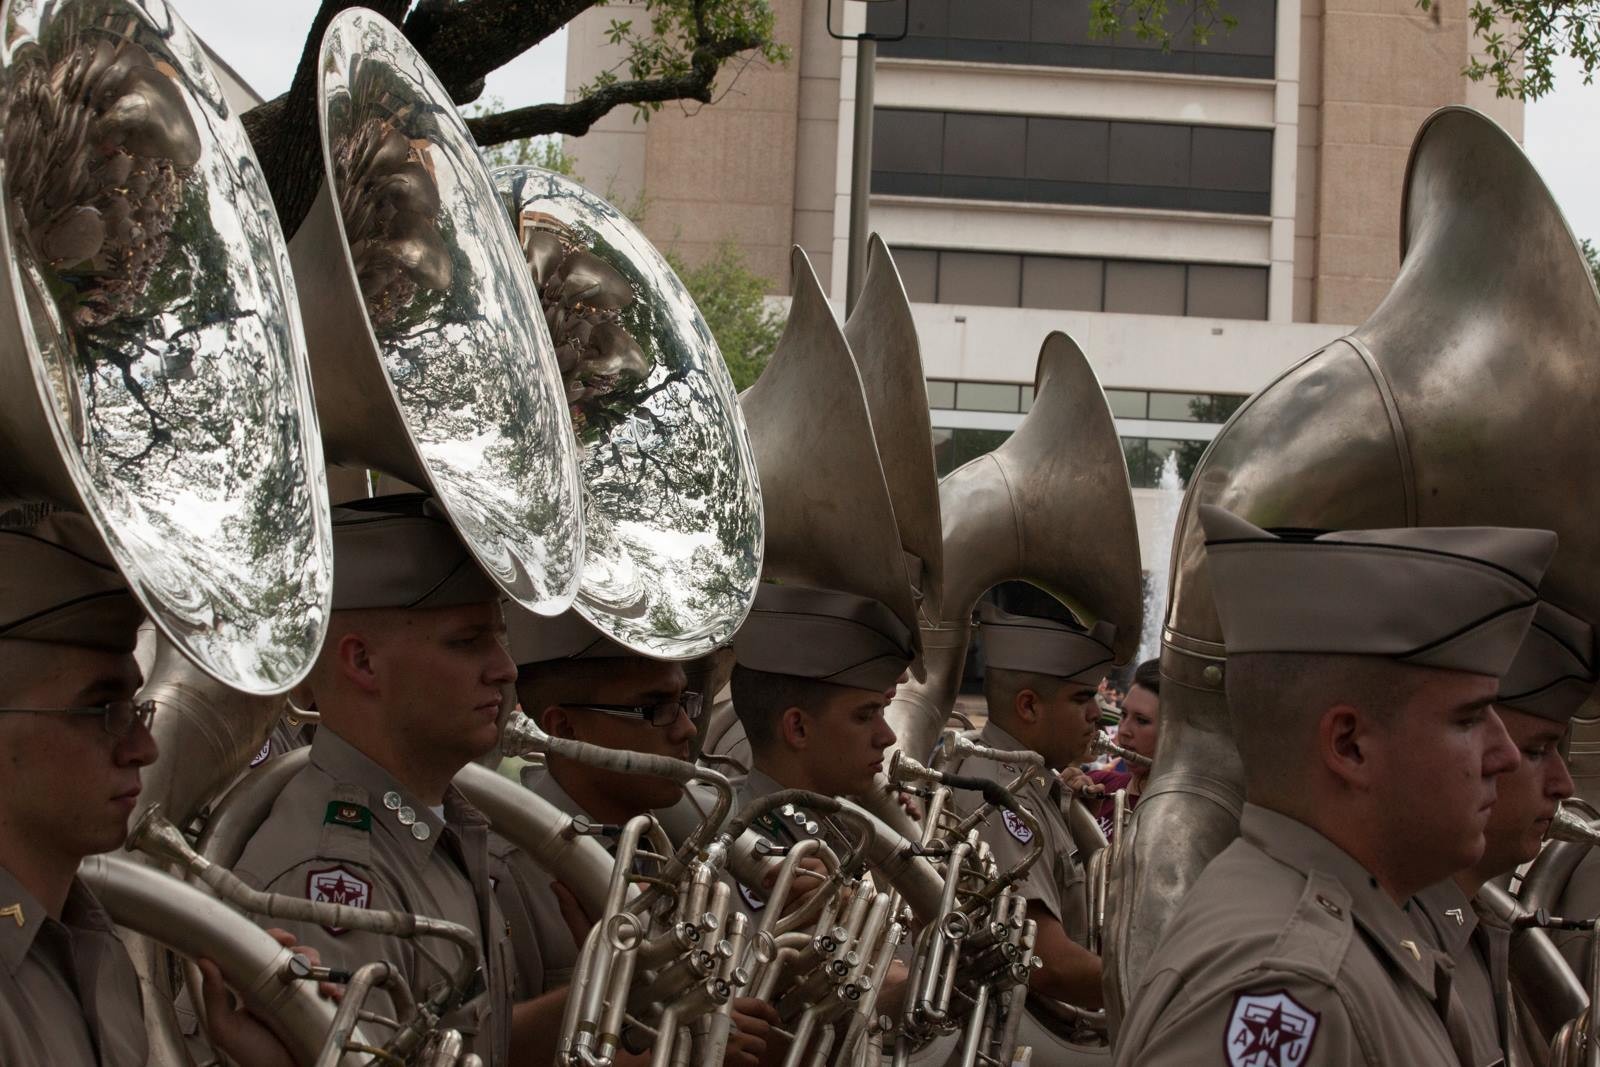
(116, 716)
(659, 715)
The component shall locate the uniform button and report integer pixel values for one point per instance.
(391, 800)
(420, 831)
(1330, 907)
(406, 816)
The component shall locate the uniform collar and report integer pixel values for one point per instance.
(396, 811)
(24, 917)
(1296, 845)
(1450, 913)
(996, 738)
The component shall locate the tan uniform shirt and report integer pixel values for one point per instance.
(1447, 918)
(541, 941)
(788, 825)
(1286, 953)
(345, 830)
(1056, 880)
(69, 996)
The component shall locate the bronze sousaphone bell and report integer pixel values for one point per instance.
(1467, 398)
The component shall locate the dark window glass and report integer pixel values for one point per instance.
(1219, 292)
(907, 141)
(1144, 288)
(1072, 161)
(1059, 282)
(919, 272)
(991, 146)
(979, 278)
(1232, 159)
(1056, 33)
(952, 448)
(1071, 150)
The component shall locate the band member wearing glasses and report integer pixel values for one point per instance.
(1363, 668)
(410, 685)
(578, 684)
(1040, 682)
(1548, 682)
(73, 741)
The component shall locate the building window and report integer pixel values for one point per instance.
(981, 156)
(954, 448)
(1210, 408)
(1071, 283)
(1055, 33)
(1146, 457)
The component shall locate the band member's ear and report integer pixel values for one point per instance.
(792, 724)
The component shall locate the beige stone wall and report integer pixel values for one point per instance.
(817, 144)
(1308, 170)
(1385, 65)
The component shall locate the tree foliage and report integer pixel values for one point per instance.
(1592, 257)
(676, 52)
(1520, 41)
(1159, 21)
(732, 297)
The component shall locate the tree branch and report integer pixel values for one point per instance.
(466, 41)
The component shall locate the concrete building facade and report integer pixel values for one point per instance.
(1197, 219)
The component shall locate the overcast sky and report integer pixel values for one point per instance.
(263, 41)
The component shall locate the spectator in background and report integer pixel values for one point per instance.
(1137, 733)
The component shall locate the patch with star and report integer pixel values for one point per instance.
(336, 885)
(1269, 1030)
(1019, 829)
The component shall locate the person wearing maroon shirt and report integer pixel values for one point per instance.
(1136, 733)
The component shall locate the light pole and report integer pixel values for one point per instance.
(861, 144)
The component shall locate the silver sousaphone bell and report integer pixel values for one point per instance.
(671, 509)
(154, 372)
(429, 351)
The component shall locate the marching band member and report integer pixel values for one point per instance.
(578, 684)
(1362, 671)
(1549, 680)
(409, 685)
(1040, 681)
(75, 740)
(1137, 731)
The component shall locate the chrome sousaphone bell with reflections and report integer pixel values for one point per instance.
(155, 372)
(153, 376)
(1467, 398)
(429, 352)
(672, 511)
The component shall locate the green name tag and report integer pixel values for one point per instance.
(342, 813)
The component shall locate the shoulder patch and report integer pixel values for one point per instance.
(343, 813)
(261, 755)
(1019, 829)
(1269, 1030)
(338, 885)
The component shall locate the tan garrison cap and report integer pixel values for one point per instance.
(1045, 646)
(535, 638)
(1457, 598)
(399, 552)
(59, 585)
(825, 635)
(1553, 673)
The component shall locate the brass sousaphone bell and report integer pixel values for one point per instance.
(1467, 398)
(1051, 506)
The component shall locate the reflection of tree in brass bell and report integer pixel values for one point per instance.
(583, 298)
(97, 147)
(389, 201)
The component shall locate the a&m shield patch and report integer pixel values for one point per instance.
(1269, 1030)
(1019, 829)
(335, 885)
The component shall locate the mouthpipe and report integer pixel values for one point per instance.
(154, 835)
(1103, 746)
(197, 925)
(1571, 826)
